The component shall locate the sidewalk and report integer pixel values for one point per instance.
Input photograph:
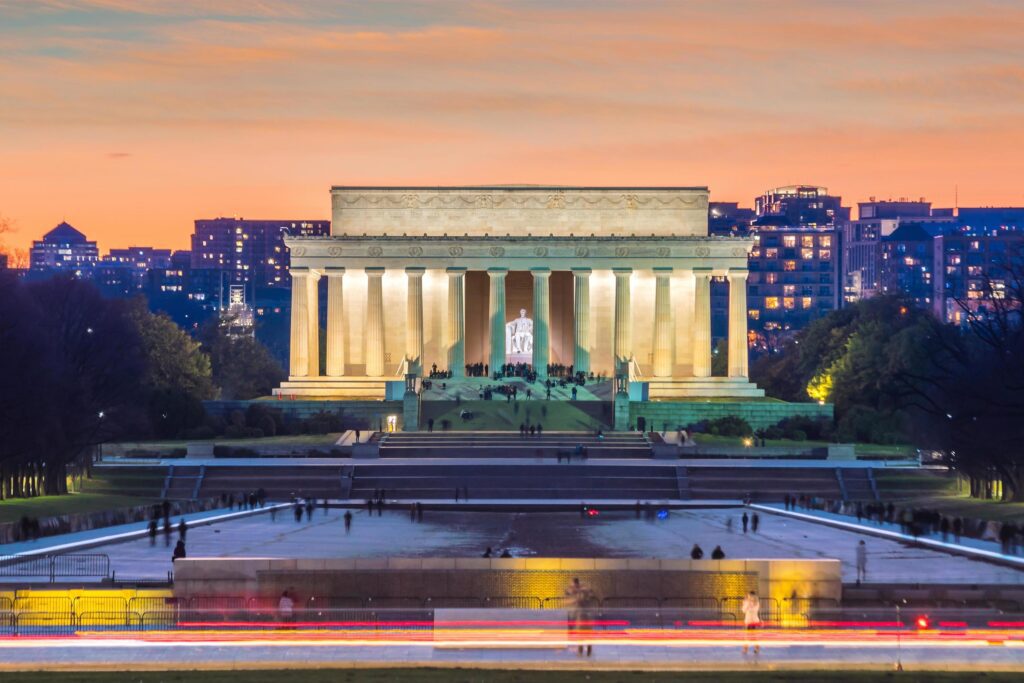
(969, 547)
(80, 540)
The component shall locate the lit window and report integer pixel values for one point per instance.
(807, 254)
(771, 302)
(825, 254)
(789, 240)
(805, 302)
(789, 265)
(771, 278)
(825, 241)
(807, 241)
(754, 314)
(789, 290)
(788, 302)
(771, 252)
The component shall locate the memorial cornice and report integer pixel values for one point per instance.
(480, 252)
(521, 198)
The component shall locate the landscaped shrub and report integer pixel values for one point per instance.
(803, 427)
(723, 426)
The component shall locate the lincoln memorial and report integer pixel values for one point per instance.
(613, 281)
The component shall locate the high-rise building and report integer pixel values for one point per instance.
(63, 248)
(807, 206)
(893, 208)
(794, 277)
(796, 261)
(253, 252)
(972, 270)
(139, 260)
(729, 218)
(907, 265)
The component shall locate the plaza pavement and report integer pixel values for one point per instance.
(547, 534)
(961, 654)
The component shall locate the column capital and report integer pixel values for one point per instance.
(738, 273)
(703, 272)
(582, 271)
(540, 272)
(334, 271)
(663, 272)
(414, 271)
(374, 272)
(497, 272)
(455, 271)
(622, 271)
(299, 271)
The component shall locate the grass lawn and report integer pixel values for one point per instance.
(106, 491)
(495, 676)
(938, 490)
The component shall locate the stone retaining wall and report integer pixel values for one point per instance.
(759, 414)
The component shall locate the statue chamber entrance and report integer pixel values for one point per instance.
(519, 296)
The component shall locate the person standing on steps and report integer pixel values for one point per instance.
(755, 522)
(862, 562)
(348, 521)
(746, 521)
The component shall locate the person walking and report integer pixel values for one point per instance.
(578, 599)
(696, 553)
(167, 531)
(755, 522)
(728, 524)
(153, 530)
(348, 521)
(746, 521)
(958, 527)
(286, 607)
(751, 619)
(182, 529)
(862, 562)
(718, 553)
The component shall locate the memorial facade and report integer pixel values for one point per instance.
(602, 279)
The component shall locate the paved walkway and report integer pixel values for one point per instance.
(81, 540)
(610, 534)
(969, 547)
(959, 654)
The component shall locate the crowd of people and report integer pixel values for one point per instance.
(918, 521)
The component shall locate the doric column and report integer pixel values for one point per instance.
(702, 322)
(738, 353)
(414, 319)
(457, 321)
(335, 321)
(541, 322)
(497, 316)
(623, 347)
(313, 319)
(662, 322)
(298, 365)
(374, 322)
(581, 319)
(683, 309)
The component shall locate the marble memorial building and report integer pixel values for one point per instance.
(601, 278)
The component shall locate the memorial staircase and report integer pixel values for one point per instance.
(557, 445)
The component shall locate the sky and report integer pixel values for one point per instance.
(132, 118)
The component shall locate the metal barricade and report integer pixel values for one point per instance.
(52, 567)
(453, 603)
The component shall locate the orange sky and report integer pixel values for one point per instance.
(131, 118)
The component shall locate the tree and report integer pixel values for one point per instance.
(71, 361)
(851, 358)
(178, 375)
(243, 368)
(968, 396)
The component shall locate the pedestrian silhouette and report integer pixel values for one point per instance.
(746, 520)
(718, 553)
(696, 553)
(755, 522)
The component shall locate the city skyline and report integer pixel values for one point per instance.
(130, 120)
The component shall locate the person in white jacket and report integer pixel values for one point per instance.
(751, 618)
